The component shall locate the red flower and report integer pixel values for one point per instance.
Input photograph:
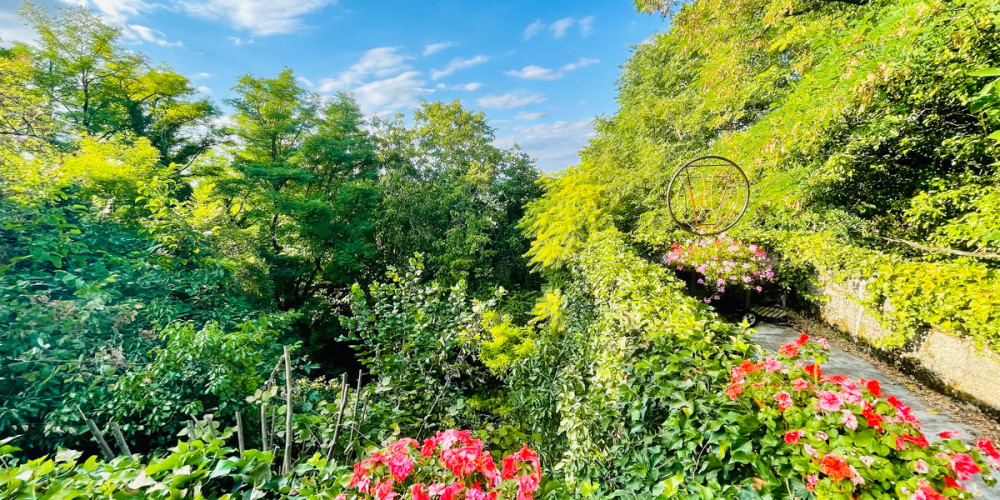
(919, 440)
(874, 419)
(430, 446)
(964, 466)
(948, 434)
(526, 485)
(509, 467)
(986, 446)
(802, 339)
(814, 371)
(835, 467)
(874, 388)
(793, 437)
(418, 493)
(747, 367)
(951, 483)
(734, 390)
(836, 379)
(790, 350)
(928, 493)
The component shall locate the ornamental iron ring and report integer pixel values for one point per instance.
(708, 195)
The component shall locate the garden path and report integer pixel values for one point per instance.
(772, 337)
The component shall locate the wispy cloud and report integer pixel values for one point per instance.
(586, 26)
(237, 41)
(260, 17)
(437, 47)
(457, 64)
(390, 95)
(560, 28)
(380, 62)
(534, 29)
(510, 100)
(468, 86)
(554, 145)
(530, 115)
(534, 72)
(139, 33)
(382, 80)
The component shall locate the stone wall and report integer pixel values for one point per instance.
(951, 363)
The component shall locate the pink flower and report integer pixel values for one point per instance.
(383, 491)
(526, 485)
(799, 385)
(825, 344)
(400, 466)
(822, 435)
(474, 493)
(811, 451)
(852, 393)
(867, 460)
(830, 401)
(964, 466)
(849, 419)
(920, 467)
(451, 491)
(811, 481)
(784, 400)
(772, 365)
(793, 437)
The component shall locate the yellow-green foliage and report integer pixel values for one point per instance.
(960, 297)
(502, 342)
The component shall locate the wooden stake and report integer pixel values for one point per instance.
(263, 426)
(288, 411)
(340, 415)
(357, 398)
(122, 444)
(101, 443)
(239, 430)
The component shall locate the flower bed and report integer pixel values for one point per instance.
(722, 263)
(450, 466)
(846, 438)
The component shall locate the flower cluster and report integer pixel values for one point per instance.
(847, 439)
(722, 263)
(450, 466)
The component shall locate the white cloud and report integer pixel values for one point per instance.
(559, 27)
(586, 26)
(533, 29)
(237, 41)
(140, 33)
(115, 11)
(582, 62)
(381, 62)
(389, 95)
(203, 89)
(437, 47)
(468, 86)
(530, 115)
(555, 145)
(457, 64)
(510, 100)
(260, 17)
(202, 75)
(535, 72)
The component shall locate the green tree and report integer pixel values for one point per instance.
(95, 87)
(451, 194)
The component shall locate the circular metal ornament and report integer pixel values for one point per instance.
(708, 195)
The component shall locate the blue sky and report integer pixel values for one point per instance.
(541, 70)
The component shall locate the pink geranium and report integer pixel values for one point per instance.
(830, 401)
